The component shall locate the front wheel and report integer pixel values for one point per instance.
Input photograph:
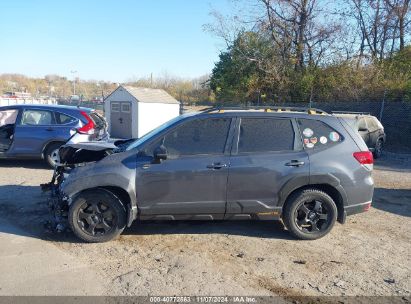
(97, 216)
(51, 154)
(309, 214)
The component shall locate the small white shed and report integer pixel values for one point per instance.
(132, 112)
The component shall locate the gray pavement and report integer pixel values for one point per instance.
(31, 266)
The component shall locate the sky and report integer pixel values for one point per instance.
(108, 40)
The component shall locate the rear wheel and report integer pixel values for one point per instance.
(378, 148)
(97, 216)
(309, 214)
(51, 154)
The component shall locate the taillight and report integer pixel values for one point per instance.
(88, 128)
(364, 157)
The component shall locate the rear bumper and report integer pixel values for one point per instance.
(354, 209)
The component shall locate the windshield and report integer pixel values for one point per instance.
(156, 131)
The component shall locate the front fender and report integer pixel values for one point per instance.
(109, 172)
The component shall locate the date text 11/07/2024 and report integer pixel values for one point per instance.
(203, 299)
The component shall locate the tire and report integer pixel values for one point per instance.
(97, 216)
(378, 149)
(51, 154)
(309, 214)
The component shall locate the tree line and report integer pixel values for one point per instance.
(279, 51)
(187, 90)
(312, 50)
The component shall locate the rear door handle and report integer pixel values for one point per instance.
(295, 163)
(216, 166)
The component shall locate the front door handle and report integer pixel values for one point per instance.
(49, 129)
(216, 166)
(295, 163)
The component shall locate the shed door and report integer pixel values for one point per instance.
(120, 119)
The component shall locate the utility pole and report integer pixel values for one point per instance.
(74, 81)
(382, 104)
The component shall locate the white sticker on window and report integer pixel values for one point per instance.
(323, 140)
(334, 136)
(308, 132)
(309, 145)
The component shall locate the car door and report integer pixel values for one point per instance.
(193, 178)
(266, 155)
(33, 130)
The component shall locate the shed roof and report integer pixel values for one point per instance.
(150, 95)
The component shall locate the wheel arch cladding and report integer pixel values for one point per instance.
(124, 197)
(122, 194)
(331, 190)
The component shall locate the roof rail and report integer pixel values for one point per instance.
(266, 109)
(350, 112)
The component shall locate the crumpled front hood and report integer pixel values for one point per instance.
(84, 152)
(93, 145)
(117, 169)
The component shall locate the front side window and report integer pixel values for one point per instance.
(265, 135)
(36, 117)
(317, 134)
(201, 136)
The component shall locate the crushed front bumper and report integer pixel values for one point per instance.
(57, 201)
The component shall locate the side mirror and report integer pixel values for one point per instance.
(160, 153)
(363, 130)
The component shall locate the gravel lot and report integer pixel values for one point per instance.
(369, 255)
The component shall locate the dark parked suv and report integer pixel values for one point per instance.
(303, 166)
(370, 129)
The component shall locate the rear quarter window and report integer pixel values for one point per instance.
(317, 134)
(63, 119)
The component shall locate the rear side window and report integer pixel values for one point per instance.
(63, 119)
(317, 134)
(265, 135)
(205, 136)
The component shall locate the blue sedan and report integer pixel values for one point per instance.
(38, 131)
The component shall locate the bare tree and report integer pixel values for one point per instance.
(295, 28)
(401, 10)
(381, 21)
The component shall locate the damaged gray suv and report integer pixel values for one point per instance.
(303, 166)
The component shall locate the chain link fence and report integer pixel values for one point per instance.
(394, 116)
